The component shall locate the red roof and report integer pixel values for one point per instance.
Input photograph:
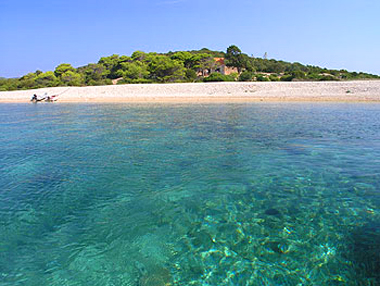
(219, 61)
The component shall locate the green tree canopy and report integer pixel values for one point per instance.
(47, 79)
(178, 66)
(164, 69)
(185, 57)
(111, 65)
(139, 56)
(133, 70)
(72, 78)
(93, 74)
(62, 68)
(235, 58)
(203, 61)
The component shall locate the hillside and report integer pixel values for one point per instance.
(181, 66)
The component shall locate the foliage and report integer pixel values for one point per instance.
(28, 81)
(287, 77)
(298, 74)
(190, 75)
(218, 77)
(327, 78)
(246, 76)
(235, 58)
(179, 66)
(72, 78)
(47, 79)
(164, 69)
(261, 77)
(133, 70)
(273, 77)
(62, 68)
(94, 74)
(202, 62)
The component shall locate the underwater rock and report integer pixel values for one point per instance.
(202, 239)
(364, 250)
(274, 212)
(157, 277)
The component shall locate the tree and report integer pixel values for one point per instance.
(185, 57)
(202, 62)
(71, 78)
(139, 56)
(235, 58)
(110, 63)
(164, 69)
(133, 70)
(47, 79)
(191, 75)
(28, 81)
(93, 74)
(62, 68)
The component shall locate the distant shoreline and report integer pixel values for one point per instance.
(342, 91)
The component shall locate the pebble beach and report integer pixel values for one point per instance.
(345, 91)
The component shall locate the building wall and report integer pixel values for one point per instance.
(230, 70)
(220, 68)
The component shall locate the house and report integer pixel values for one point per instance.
(219, 67)
(222, 68)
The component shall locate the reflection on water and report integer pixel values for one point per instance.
(224, 194)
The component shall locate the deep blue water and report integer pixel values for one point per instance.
(175, 194)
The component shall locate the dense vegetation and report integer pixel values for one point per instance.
(182, 66)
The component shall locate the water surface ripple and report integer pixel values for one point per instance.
(166, 194)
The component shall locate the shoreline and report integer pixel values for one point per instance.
(239, 92)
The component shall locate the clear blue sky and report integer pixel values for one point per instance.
(40, 34)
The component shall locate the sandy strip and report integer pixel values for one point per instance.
(347, 91)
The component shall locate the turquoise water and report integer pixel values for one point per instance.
(155, 194)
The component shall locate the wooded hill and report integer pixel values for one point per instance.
(182, 66)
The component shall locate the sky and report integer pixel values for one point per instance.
(41, 34)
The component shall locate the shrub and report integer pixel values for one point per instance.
(287, 77)
(218, 77)
(327, 78)
(246, 76)
(234, 75)
(313, 76)
(273, 77)
(137, 80)
(298, 74)
(190, 75)
(261, 77)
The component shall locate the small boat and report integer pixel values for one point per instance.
(51, 98)
(45, 97)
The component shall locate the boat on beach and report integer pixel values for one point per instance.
(45, 97)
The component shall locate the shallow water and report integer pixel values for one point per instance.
(155, 194)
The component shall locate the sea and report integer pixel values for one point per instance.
(189, 194)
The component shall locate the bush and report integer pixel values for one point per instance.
(298, 74)
(137, 80)
(327, 78)
(287, 77)
(246, 76)
(190, 75)
(218, 77)
(313, 76)
(261, 77)
(273, 77)
(234, 75)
